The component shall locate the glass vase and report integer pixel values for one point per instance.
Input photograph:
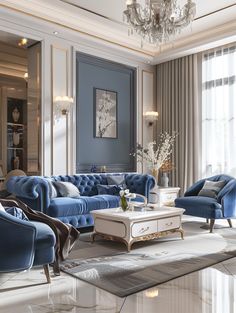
(124, 204)
(155, 173)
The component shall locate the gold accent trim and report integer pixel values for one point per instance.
(152, 54)
(141, 238)
(213, 12)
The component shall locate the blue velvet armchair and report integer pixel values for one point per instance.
(221, 207)
(24, 243)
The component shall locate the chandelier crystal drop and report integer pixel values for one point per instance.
(159, 20)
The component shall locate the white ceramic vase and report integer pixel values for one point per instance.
(165, 180)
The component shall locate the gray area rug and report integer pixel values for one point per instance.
(109, 266)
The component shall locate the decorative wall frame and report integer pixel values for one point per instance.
(105, 114)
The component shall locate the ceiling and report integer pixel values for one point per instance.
(101, 21)
(211, 15)
(113, 9)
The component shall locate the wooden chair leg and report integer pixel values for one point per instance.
(212, 222)
(230, 222)
(46, 271)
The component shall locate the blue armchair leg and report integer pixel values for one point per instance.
(212, 222)
(230, 222)
(46, 271)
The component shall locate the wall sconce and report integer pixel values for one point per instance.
(151, 117)
(62, 105)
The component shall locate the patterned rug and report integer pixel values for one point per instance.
(109, 266)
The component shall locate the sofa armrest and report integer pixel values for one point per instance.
(228, 202)
(140, 184)
(33, 190)
(17, 239)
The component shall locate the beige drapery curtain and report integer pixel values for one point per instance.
(178, 102)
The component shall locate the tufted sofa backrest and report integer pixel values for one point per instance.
(85, 183)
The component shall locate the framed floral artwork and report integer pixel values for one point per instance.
(105, 113)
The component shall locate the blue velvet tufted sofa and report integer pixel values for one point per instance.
(35, 192)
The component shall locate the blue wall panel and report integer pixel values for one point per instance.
(113, 153)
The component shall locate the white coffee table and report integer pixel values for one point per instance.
(132, 226)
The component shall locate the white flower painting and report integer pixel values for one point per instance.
(105, 113)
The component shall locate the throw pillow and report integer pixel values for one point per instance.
(17, 212)
(112, 190)
(211, 188)
(2, 208)
(52, 189)
(66, 189)
(118, 180)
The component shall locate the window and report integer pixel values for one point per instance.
(219, 111)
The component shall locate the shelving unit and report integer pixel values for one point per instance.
(16, 134)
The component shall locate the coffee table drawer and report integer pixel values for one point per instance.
(144, 228)
(168, 223)
(113, 228)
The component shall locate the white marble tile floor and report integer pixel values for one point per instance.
(211, 290)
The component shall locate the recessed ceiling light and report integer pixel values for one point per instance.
(23, 42)
(55, 32)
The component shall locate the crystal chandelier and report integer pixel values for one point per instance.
(158, 20)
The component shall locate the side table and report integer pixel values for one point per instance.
(163, 196)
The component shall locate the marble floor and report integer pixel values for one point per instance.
(211, 290)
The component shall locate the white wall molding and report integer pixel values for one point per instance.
(72, 41)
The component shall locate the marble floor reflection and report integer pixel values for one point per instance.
(211, 290)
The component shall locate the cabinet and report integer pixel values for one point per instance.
(164, 196)
(16, 134)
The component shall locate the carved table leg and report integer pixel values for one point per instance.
(181, 231)
(128, 245)
(93, 237)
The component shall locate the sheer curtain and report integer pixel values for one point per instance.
(219, 111)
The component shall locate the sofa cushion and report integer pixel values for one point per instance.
(62, 206)
(108, 190)
(17, 212)
(211, 188)
(118, 180)
(66, 189)
(200, 206)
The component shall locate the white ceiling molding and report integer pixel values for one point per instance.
(80, 20)
(206, 29)
(27, 25)
(205, 40)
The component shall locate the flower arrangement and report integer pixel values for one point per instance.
(124, 195)
(167, 166)
(156, 155)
